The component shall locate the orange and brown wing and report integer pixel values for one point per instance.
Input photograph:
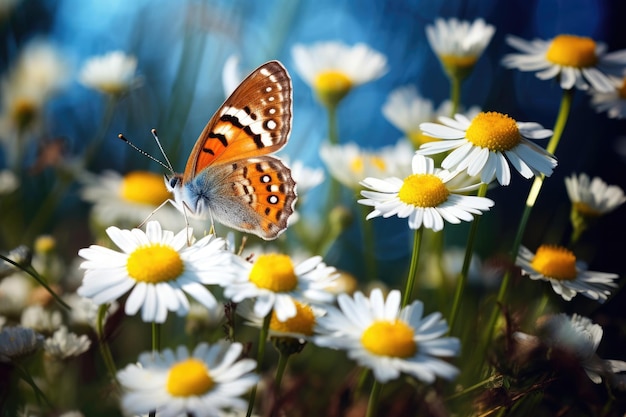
(255, 120)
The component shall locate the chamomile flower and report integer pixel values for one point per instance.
(128, 200)
(423, 197)
(113, 73)
(350, 163)
(332, 69)
(568, 277)
(157, 267)
(301, 326)
(17, 341)
(612, 102)
(276, 283)
(206, 382)
(40, 319)
(487, 144)
(387, 339)
(579, 336)
(406, 109)
(594, 197)
(64, 344)
(576, 61)
(459, 44)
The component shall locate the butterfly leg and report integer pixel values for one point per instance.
(155, 210)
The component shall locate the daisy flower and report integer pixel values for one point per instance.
(64, 344)
(459, 44)
(594, 197)
(112, 73)
(612, 102)
(424, 197)
(406, 109)
(487, 144)
(576, 61)
(579, 336)
(568, 277)
(204, 383)
(157, 267)
(381, 336)
(300, 327)
(276, 283)
(129, 200)
(350, 163)
(332, 69)
(18, 341)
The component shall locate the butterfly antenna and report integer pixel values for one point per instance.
(156, 139)
(144, 153)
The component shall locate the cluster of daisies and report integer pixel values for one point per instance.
(438, 174)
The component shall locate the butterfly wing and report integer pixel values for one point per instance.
(256, 195)
(255, 120)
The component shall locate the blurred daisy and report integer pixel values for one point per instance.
(612, 102)
(568, 277)
(8, 182)
(129, 200)
(381, 336)
(40, 319)
(276, 283)
(84, 312)
(332, 69)
(113, 73)
(18, 341)
(487, 144)
(594, 197)
(349, 163)
(459, 44)
(157, 267)
(581, 337)
(576, 61)
(204, 383)
(300, 327)
(64, 344)
(424, 197)
(406, 109)
(15, 292)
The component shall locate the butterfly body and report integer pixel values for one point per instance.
(231, 175)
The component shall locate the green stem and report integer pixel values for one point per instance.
(559, 127)
(467, 260)
(280, 370)
(259, 358)
(33, 273)
(410, 280)
(372, 405)
(455, 94)
(156, 337)
(104, 345)
(29, 379)
(333, 131)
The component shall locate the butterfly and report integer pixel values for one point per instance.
(231, 175)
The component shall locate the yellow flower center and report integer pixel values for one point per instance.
(274, 272)
(572, 51)
(357, 164)
(621, 92)
(387, 338)
(302, 323)
(494, 131)
(331, 86)
(555, 262)
(458, 61)
(188, 378)
(45, 244)
(154, 263)
(144, 187)
(586, 210)
(423, 190)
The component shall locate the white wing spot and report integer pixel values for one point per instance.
(270, 98)
(272, 199)
(272, 111)
(265, 179)
(271, 124)
(265, 72)
(272, 78)
(268, 89)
